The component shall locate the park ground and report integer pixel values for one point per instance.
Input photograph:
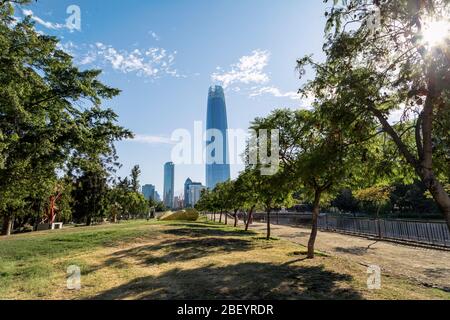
(188, 260)
(428, 266)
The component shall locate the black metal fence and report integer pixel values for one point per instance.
(433, 233)
(424, 232)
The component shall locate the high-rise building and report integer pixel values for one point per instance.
(149, 192)
(186, 192)
(192, 193)
(169, 184)
(157, 196)
(195, 192)
(178, 202)
(217, 158)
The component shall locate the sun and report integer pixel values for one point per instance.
(436, 33)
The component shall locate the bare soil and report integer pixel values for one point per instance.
(430, 267)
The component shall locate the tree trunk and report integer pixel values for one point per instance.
(439, 194)
(226, 218)
(235, 218)
(214, 215)
(378, 221)
(249, 218)
(88, 221)
(268, 224)
(315, 216)
(426, 147)
(7, 225)
(220, 217)
(423, 164)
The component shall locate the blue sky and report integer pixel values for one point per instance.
(164, 55)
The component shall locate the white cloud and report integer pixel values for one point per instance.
(47, 24)
(68, 47)
(275, 92)
(154, 35)
(305, 102)
(152, 62)
(89, 58)
(149, 139)
(249, 70)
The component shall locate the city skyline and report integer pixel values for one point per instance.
(300, 151)
(164, 54)
(217, 159)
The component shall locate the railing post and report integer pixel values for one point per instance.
(379, 228)
(407, 230)
(430, 237)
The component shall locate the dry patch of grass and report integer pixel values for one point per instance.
(194, 260)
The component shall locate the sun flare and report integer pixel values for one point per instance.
(436, 32)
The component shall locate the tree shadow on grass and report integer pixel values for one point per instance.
(196, 231)
(439, 274)
(198, 224)
(297, 235)
(241, 281)
(357, 251)
(183, 249)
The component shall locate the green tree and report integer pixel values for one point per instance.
(345, 201)
(132, 202)
(381, 61)
(50, 116)
(248, 193)
(376, 195)
(274, 191)
(221, 199)
(315, 157)
(203, 204)
(239, 197)
(135, 173)
(210, 202)
(161, 207)
(90, 195)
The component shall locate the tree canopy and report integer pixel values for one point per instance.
(381, 62)
(51, 117)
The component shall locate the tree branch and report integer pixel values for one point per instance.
(390, 130)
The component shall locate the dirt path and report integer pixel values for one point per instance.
(428, 266)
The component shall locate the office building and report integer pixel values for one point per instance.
(217, 158)
(169, 184)
(192, 193)
(149, 192)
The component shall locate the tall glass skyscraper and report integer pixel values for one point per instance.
(148, 191)
(217, 158)
(169, 184)
(187, 184)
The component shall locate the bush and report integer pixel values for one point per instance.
(182, 215)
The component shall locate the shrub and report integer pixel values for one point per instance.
(182, 215)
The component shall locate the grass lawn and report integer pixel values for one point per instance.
(181, 260)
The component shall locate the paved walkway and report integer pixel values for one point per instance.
(428, 266)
